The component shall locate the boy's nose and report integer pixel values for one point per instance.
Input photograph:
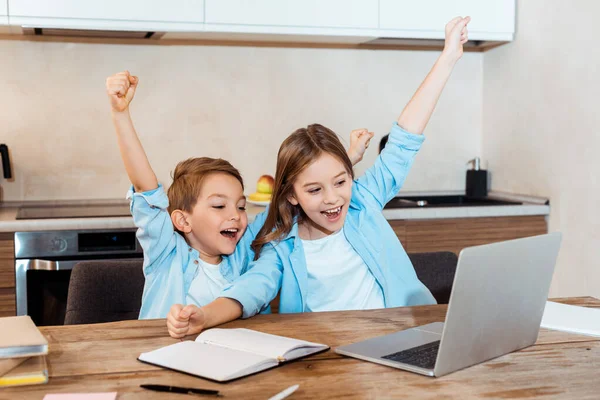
(235, 216)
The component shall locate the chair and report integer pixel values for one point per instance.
(104, 291)
(436, 270)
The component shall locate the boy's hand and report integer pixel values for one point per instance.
(183, 321)
(457, 34)
(120, 89)
(359, 142)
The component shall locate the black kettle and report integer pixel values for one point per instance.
(5, 161)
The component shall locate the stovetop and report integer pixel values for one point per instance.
(74, 211)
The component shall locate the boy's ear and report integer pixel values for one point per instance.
(180, 221)
(292, 200)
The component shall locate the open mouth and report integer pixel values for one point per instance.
(230, 233)
(332, 214)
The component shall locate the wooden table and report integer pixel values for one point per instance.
(102, 358)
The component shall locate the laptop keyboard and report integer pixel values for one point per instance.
(421, 356)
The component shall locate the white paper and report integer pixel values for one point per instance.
(575, 319)
(213, 362)
(267, 345)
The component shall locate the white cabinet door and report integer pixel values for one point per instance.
(491, 19)
(106, 13)
(3, 12)
(327, 14)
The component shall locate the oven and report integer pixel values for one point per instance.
(44, 260)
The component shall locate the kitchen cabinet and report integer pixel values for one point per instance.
(425, 19)
(418, 236)
(109, 14)
(7, 275)
(362, 23)
(3, 12)
(281, 16)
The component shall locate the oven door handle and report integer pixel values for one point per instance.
(47, 265)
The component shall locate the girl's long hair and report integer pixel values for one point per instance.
(298, 151)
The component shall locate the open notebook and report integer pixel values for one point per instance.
(226, 354)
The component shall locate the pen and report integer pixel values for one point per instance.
(178, 389)
(285, 393)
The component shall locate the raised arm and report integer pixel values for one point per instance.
(121, 89)
(383, 180)
(417, 112)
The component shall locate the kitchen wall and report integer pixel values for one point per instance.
(238, 103)
(541, 127)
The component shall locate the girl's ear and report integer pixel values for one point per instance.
(292, 200)
(181, 221)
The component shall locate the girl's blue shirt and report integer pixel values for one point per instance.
(282, 266)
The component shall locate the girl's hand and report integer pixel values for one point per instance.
(457, 34)
(120, 89)
(359, 142)
(183, 321)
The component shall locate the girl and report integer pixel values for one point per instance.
(325, 244)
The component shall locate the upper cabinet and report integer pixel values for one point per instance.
(172, 15)
(375, 23)
(292, 16)
(426, 19)
(3, 12)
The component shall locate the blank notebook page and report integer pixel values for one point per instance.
(200, 359)
(272, 346)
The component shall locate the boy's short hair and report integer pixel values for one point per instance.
(188, 177)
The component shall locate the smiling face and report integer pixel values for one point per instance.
(323, 190)
(218, 219)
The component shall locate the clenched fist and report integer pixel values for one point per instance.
(183, 321)
(359, 141)
(457, 34)
(120, 89)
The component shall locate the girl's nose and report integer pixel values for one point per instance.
(330, 197)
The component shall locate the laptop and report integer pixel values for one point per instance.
(496, 307)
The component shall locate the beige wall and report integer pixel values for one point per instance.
(541, 127)
(232, 102)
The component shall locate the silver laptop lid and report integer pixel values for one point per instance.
(497, 300)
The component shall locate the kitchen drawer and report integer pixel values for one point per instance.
(454, 234)
(7, 302)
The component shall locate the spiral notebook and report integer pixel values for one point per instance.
(225, 354)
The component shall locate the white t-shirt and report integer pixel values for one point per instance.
(338, 278)
(206, 285)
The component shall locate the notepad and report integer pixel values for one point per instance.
(574, 319)
(19, 337)
(81, 396)
(226, 354)
(32, 371)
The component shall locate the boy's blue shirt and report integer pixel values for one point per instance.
(282, 266)
(169, 262)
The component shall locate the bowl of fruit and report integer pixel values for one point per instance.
(264, 191)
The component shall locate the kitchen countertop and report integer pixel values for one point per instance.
(531, 206)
